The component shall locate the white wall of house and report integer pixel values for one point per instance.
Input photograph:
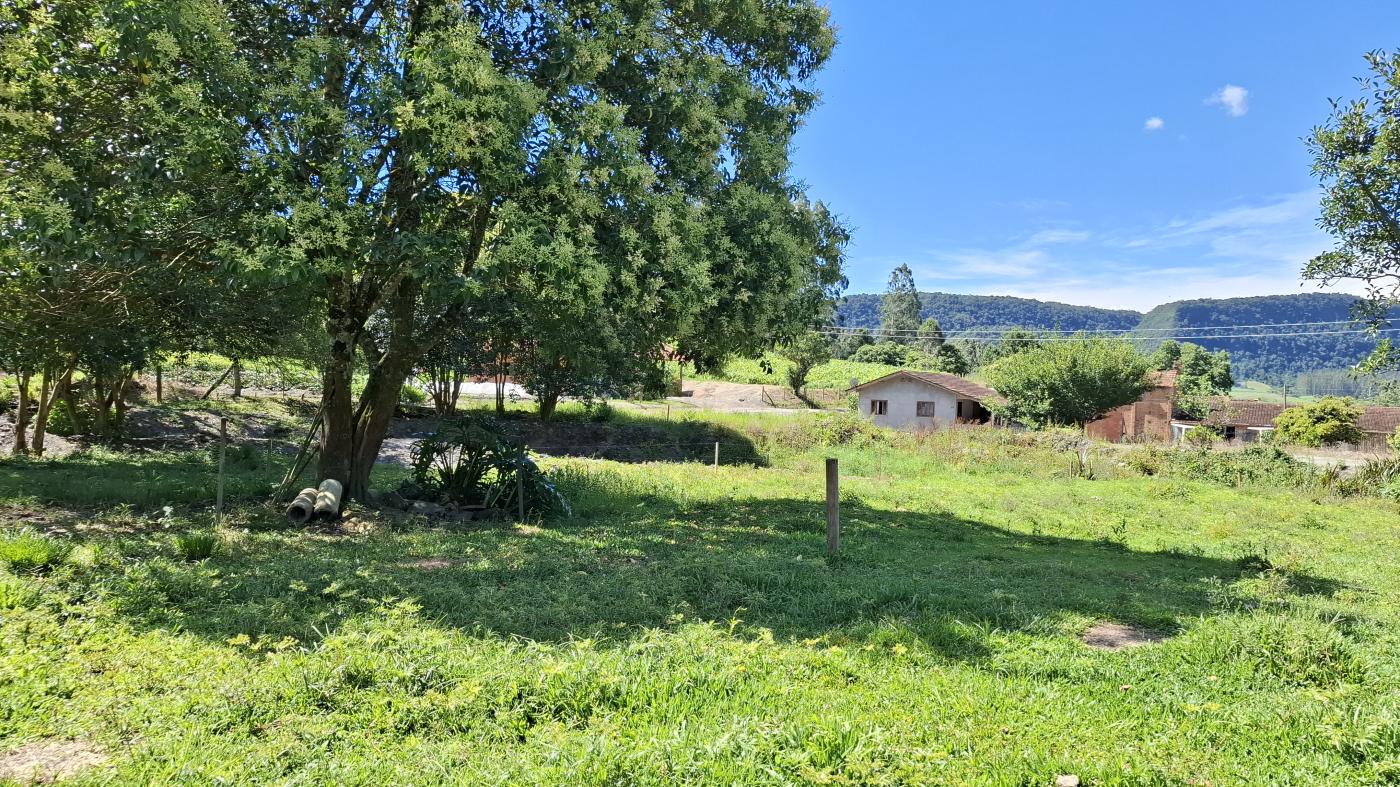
(902, 396)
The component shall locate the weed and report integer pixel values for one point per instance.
(196, 545)
(29, 552)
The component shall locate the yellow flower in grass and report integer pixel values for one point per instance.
(899, 649)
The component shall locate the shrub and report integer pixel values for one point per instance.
(412, 395)
(1257, 464)
(1327, 421)
(1394, 441)
(1203, 436)
(197, 545)
(1147, 460)
(471, 462)
(29, 552)
(888, 353)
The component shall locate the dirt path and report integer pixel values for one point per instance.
(746, 398)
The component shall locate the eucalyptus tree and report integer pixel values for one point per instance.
(899, 308)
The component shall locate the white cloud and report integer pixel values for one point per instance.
(1154, 124)
(1233, 98)
(1045, 237)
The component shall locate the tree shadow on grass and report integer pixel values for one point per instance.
(646, 562)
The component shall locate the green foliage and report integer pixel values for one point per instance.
(1394, 441)
(887, 353)
(930, 336)
(899, 308)
(197, 545)
(1066, 382)
(1254, 465)
(1354, 154)
(1203, 436)
(847, 343)
(26, 551)
(806, 352)
(470, 461)
(948, 358)
(411, 395)
(1328, 421)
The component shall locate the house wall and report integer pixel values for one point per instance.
(1149, 418)
(903, 395)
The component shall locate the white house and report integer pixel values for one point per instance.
(924, 400)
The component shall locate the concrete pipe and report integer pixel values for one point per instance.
(303, 507)
(328, 499)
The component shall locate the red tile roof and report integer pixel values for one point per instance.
(1236, 412)
(958, 385)
(1383, 420)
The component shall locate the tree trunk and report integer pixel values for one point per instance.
(237, 378)
(549, 401)
(338, 406)
(160, 385)
(21, 446)
(69, 397)
(47, 390)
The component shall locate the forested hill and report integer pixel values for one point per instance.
(965, 312)
(1273, 359)
(1270, 358)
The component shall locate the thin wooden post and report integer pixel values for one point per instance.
(160, 385)
(223, 449)
(520, 493)
(668, 411)
(833, 507)
(716, 453)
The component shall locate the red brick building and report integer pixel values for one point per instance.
(1149, 419)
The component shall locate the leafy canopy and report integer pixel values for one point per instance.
(899, 310)
(1068, 382)
(1327, 421)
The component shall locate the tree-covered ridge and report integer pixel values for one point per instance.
(1275, 359)
(957, 313)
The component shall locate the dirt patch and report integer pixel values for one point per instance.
(744, 397)
(42, 762)
(54, 445)
(1117, 636)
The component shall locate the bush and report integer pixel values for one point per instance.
(1265, 465)
(410, 395)
(1203, 436)
(471, 462)
(197, 545)
(29, 552)
(1068, 381)
(1327, 421)
(1147, 459)
(888, 353)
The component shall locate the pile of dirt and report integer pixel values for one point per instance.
(46, 761)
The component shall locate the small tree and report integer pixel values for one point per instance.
(899, 309)
(847, 344)
(887, 352)
(1073, 381)
(1202, 375)
(930, 336)
(1166, 355)
(951, 360)
(1328, 421)
(806, 352)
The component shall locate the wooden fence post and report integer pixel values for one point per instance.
(223, 449)
(833, 507)
(520, 487)
(716, 453)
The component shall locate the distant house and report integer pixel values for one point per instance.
(924, 400)
(1147, 419)
(1247, 421)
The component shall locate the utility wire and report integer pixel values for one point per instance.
(989, 339)
(1126, 331)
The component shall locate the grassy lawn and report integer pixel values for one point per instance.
(684, 627)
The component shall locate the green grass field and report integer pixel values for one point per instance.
(685, 627)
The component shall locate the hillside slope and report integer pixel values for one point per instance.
(1265, 357)
(967, 312)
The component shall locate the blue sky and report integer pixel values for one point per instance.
(1117, 154)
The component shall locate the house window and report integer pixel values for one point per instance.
(924, 409)
(878, 406)
(1230, 433)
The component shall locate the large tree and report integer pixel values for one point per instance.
(1356, 156)
(380, 155)
(899, 309)
(1068, 382)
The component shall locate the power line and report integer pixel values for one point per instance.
(1003, 331)
(1300, 334)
